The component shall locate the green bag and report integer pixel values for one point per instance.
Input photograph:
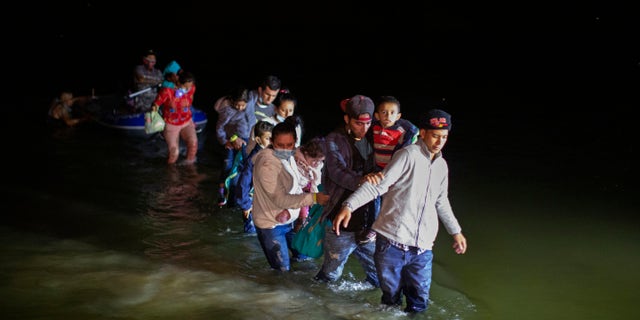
(309, 240)
(153, 122)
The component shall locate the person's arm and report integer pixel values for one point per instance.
(224, 116)
(267, 173)
(160, 99)
(375, 184)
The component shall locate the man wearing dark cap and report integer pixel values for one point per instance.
(349, 157)
(415, 187)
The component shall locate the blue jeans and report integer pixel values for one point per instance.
(275, 244)
(337, 250)
(403, 272)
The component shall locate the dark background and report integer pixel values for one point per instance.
(543, 79)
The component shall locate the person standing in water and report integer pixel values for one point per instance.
(415, 187)
(176, 112)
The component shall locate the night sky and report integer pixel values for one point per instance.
(534, 63)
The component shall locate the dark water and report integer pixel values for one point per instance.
(96, 225)
(542, 161)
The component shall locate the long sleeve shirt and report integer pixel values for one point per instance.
(276, 189)
(232, 121)
(415, 196)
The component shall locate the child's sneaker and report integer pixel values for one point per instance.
(365, 236)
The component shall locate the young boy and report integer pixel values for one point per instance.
(389, 133)
(244, 187)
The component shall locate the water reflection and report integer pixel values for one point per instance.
(171, 215)
(108, 231)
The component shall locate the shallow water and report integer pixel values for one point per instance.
(102, 228)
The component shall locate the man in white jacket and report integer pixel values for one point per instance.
(415, 184)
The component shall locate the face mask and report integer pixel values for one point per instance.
(283, 154)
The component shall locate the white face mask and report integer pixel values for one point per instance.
(283, 154)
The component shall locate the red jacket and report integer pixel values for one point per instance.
(176, 108)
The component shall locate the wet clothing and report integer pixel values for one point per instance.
(244, 198)
(175, 107)
(172, 135)
(340, 248)
(346, 162)
(415, 190)
(392, 264)
(231, 121)
(276, 189)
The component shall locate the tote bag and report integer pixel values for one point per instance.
(309, 240)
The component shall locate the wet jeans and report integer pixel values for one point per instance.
(276, 244)
(337, 250)
(403, 272)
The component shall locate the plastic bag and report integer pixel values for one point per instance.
(153, 122)
(309, 240)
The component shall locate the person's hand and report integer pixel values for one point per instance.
(374, 178)
(459, 243)
(283, 216)
(238, 143)
(322, 198)
(344, 216)
(246, 213)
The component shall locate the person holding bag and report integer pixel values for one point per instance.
(278, 196)
(153, 122)
(176, 112)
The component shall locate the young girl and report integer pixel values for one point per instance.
(310, 160)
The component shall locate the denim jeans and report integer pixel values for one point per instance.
(403, 272)
(275, 244)
(337, 250)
